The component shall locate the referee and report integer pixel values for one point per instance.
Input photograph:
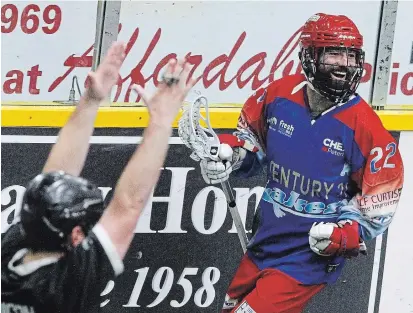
(65, 246)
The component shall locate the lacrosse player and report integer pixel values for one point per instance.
(66, 246)
(334, 173)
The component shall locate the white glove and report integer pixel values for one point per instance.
(319, 237)
(214, 172)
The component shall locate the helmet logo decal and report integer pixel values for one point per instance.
(314, 18)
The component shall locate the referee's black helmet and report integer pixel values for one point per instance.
(53, 204)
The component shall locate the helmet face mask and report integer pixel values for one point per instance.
(333, 71)
(331, 56)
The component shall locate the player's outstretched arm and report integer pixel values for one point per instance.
(69, 152)
(142, 172)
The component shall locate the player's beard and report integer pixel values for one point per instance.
(333, 79)
(336, 78)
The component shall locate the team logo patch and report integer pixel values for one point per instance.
(245, 308)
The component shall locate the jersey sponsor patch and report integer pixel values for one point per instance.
(333, 147)
(380, 206)
(285, 129)
(272, 122)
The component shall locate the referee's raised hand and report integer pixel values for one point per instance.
(107, 73)
(164, 104)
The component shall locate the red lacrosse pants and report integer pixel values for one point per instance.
(266, 291)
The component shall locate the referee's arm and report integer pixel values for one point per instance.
(135, 186)
(142, 172)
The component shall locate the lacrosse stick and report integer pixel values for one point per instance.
(205, 144)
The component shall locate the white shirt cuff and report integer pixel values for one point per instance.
(109, 248)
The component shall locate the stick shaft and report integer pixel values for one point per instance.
(226, 187)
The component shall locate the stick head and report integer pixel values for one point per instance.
(202, 140)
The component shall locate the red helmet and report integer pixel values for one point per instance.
(322, 30)
(322, 33)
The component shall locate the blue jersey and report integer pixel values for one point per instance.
(341, 165)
